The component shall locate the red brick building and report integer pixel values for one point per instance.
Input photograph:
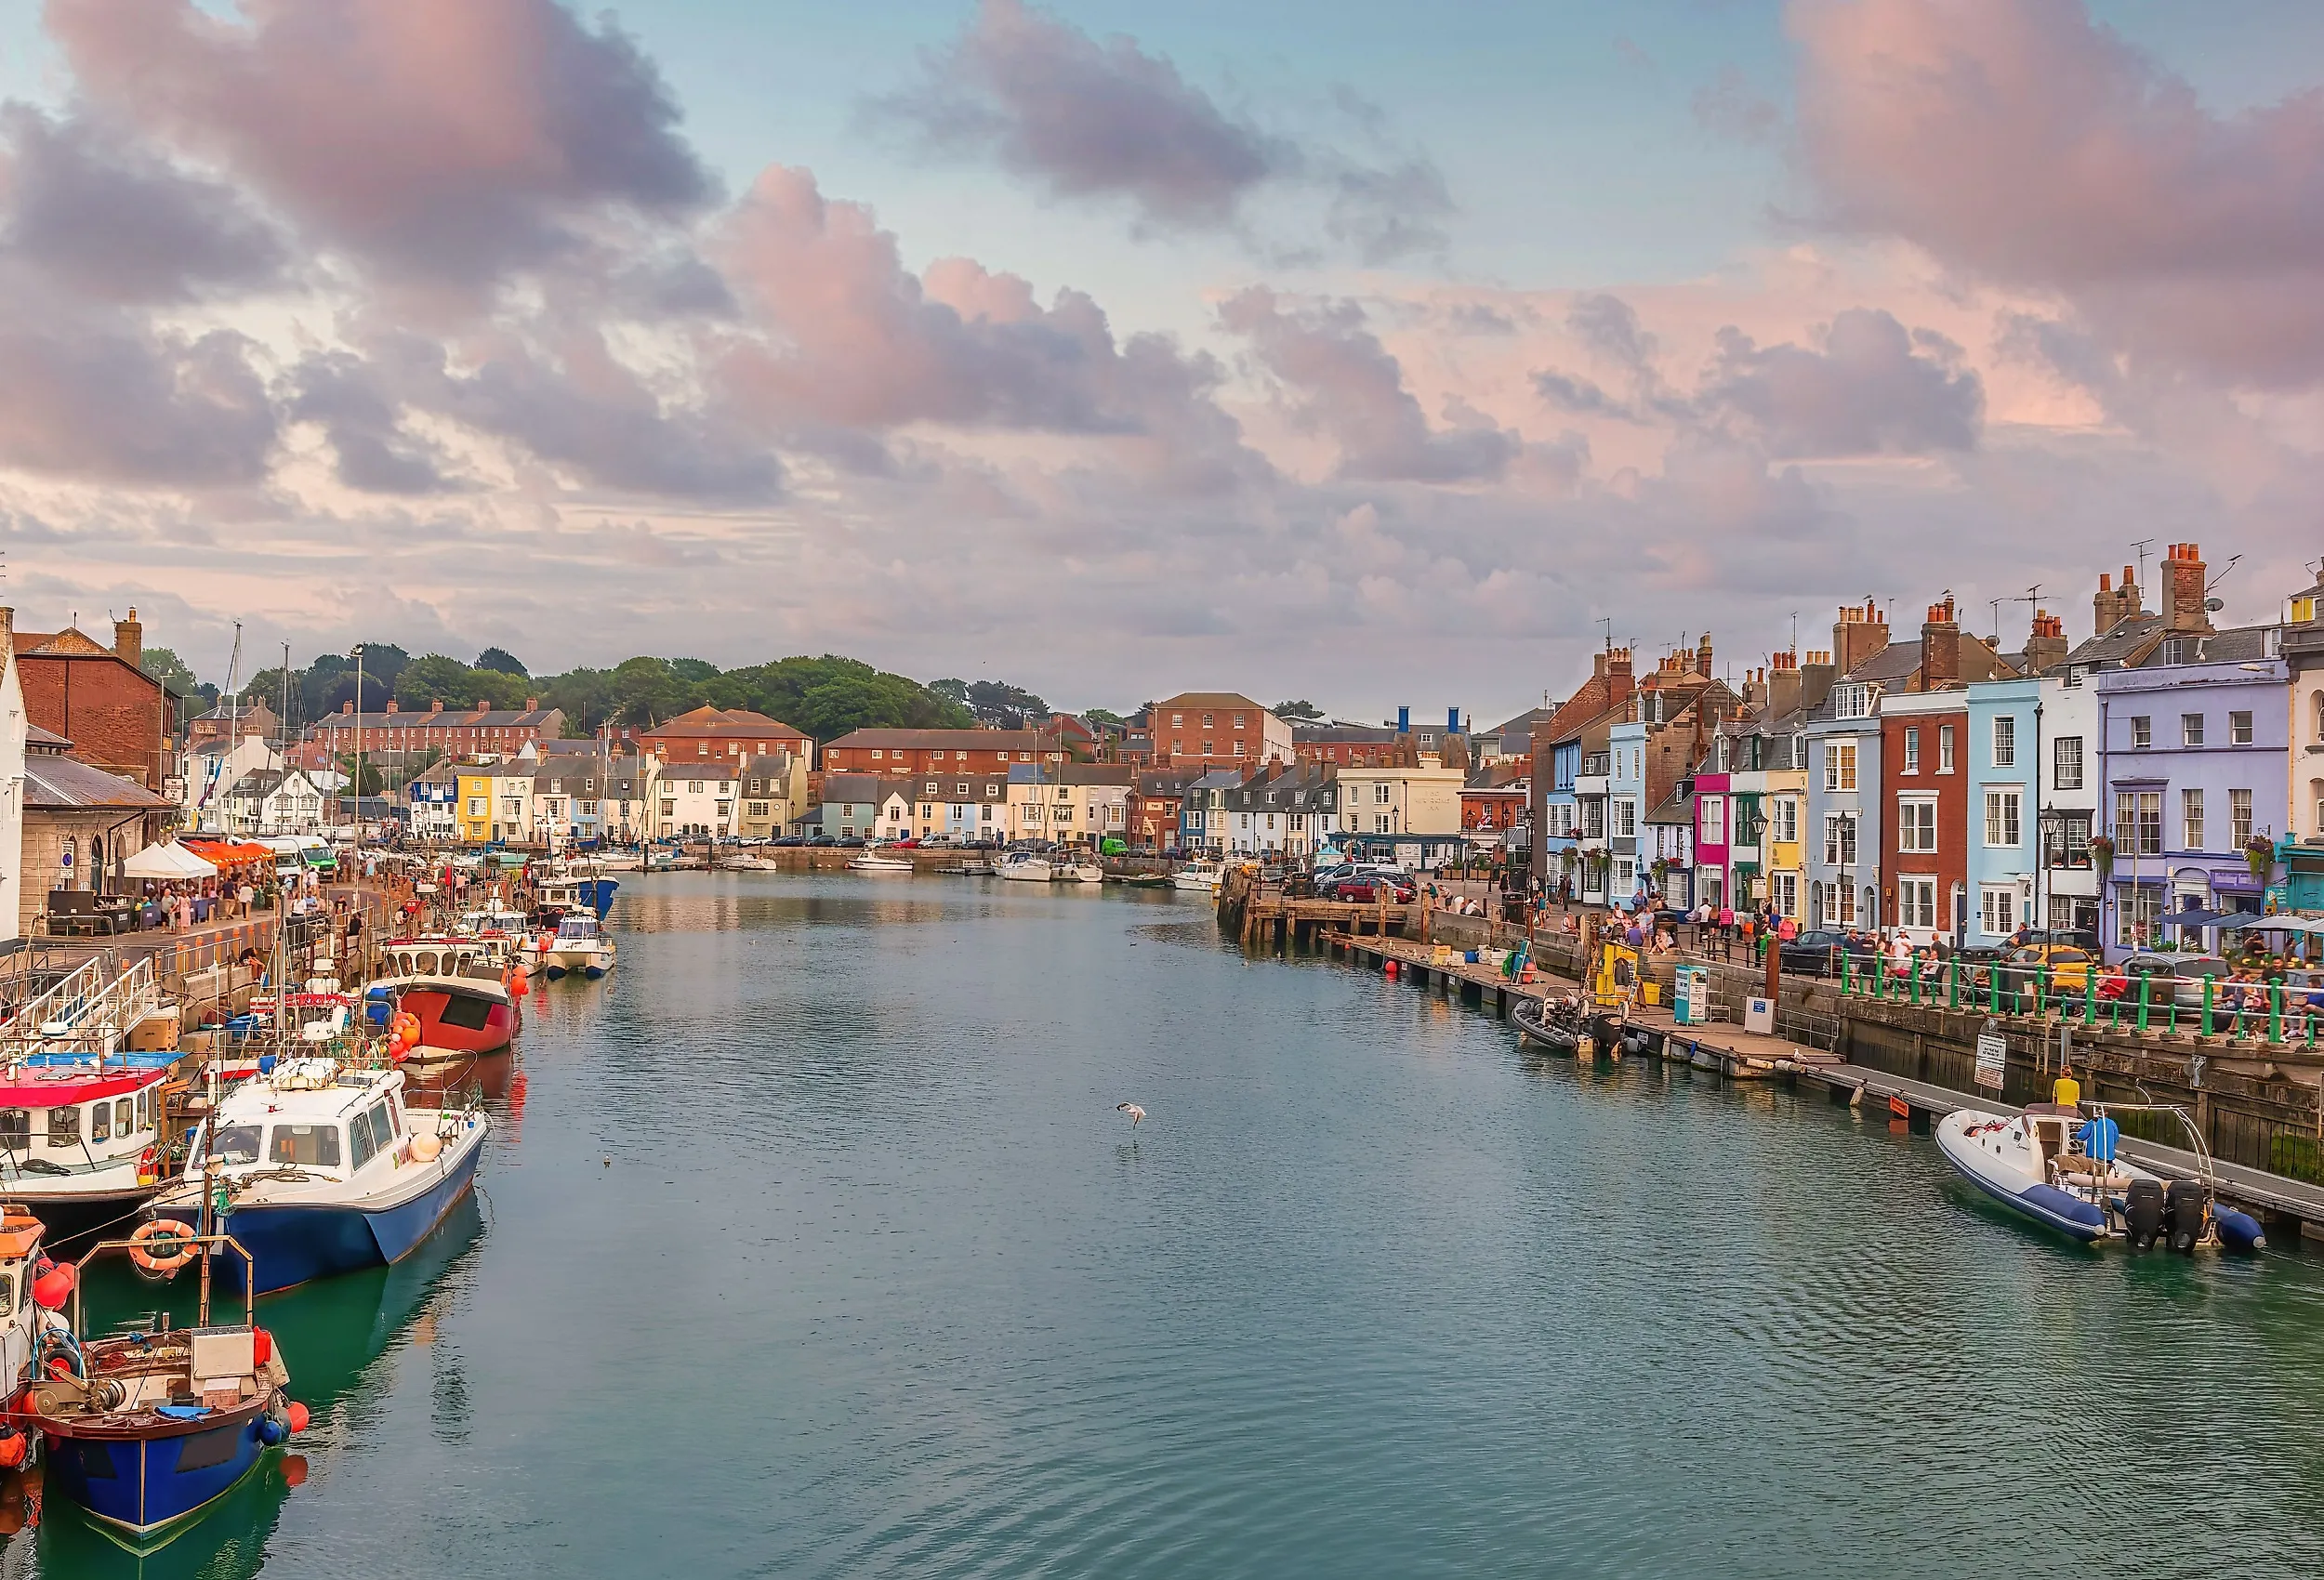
(918, 751)
(1493, 809)
(1924, 773)
(707, 732)
(1208, 729)
(450, 731)
(98, 698)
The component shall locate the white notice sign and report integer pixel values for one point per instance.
(1992, 1055)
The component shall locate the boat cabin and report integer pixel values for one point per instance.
(74, 1119)
(581, 928)
(311, 1115)
(443, 957)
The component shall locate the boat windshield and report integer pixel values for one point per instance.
(316, 1146)
(235, 1143)
(577, 926)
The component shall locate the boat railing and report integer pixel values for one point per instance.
(88, 1012)
(165, 1246)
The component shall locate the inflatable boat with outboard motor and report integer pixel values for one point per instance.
(2061, 1166)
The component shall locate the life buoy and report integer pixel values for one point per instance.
(170, 1233)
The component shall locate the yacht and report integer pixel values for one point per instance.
(1025, 866)
(1202, 877)
(878, 861)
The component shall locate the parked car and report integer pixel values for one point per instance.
(1817, 952)
(825, 840)
(791, 839)
(2022, 969)
(1369, 889)
(2177, 978)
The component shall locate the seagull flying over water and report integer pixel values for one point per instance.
(1131, 1108)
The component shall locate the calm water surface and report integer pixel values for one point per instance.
(810, 1245)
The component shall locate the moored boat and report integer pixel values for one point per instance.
(1025, 866)
(1078, 872)
(580, 948)
(878, 861)
(1202, 877)
(2060, 1166)
(459, 989)
(78, 1141)
(146, 1430)
(324, 1170)
(1555, 1025)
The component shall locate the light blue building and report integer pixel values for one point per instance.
(1561, 814)
(2004, 810)
(1628, 879)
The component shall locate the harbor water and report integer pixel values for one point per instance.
(810, 1243)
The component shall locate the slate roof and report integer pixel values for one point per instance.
(61, 783)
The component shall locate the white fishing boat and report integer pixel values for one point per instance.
(580, 947)
(878, 861)
(2060, 1166)
(1202, 877)
(1025, 866)
(324, 1170)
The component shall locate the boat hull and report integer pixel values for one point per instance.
(77, 1214)
(1537, 1033)
(458, 1019)
(146, 1483)
(291, 1243)
(2015, 1188)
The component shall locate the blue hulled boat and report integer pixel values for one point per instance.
(319, 1169)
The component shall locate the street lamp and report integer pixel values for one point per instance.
(356, 652)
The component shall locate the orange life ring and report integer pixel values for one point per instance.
(176, 1233)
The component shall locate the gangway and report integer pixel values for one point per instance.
(84, 1015)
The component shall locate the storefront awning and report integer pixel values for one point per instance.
(227, 852)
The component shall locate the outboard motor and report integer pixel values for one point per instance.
(2182, 1206)
(2142, 1213)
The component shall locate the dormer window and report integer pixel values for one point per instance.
(1853, 701)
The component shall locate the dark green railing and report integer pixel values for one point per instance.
(2046, 991)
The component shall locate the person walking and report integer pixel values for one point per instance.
(1727, 932)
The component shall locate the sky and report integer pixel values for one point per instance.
(1374, 355)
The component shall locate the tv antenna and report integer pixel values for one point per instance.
(2141, 546)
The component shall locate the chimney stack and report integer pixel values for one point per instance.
(1618, 684)
(1860, 634)
(1940, 648)
(346, 708)
(435, 706)
(2045, 650)
(532, 705)
(2183, 589)
(2113, 605)
(391, 704)
(1702, 656)
(129, 638)
(1816, 677)
(1783, 684)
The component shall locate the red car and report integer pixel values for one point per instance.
(1367, 890)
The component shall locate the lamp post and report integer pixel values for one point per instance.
(356, 652)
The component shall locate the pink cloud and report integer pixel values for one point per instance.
(441, 140)
(2020, 141)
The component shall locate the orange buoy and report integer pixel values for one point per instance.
(1390, 967)
(12, 1446)
(297, 1416)
(261, 1345)
(175, 1239)
(53, 1288)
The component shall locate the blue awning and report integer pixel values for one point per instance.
(2198, 919)
(2231, 921)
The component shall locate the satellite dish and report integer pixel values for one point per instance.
(2213, 605)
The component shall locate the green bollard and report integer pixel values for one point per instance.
(1952, 982)
(1993, 989)
(2207, 983)
(2145, 995)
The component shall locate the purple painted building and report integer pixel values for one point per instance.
(2195, 757)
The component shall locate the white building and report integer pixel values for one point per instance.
(274, 801)
(695, 800)
(211, 770)
(12, 734)
(1071, 803)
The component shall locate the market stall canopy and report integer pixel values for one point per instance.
(168, 863)
(228, 852)
(2194, 918)
(2311, 924)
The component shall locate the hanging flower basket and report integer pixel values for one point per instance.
(2259, 854)
(2102, 856)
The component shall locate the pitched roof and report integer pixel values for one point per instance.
(2238, 644)
(61, 783)
(720, 722)
(1212, 700)
(948, 740)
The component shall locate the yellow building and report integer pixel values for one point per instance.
(474, 809)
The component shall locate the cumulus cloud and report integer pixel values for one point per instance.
(440, 142)
(1088, 119)
(102, 217)
(1870, 388)
(362, 422)
(1343, 381)
(2021, 141)
(109, 399)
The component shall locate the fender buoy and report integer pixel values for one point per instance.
(261, 1345)
(12, 1446)
(295, 1417)
(53, 1288)
(149, 1165)
(175, 1240)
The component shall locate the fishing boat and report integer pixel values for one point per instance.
(2059, 1165)
(878, 861)
(323, 1170)
(93, 1161)
(1025, 866)
(580, 947)
(457, 986)
(1078, 872)
(1202, 877)
(146, 1430)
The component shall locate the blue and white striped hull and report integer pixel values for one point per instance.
(292, 1244)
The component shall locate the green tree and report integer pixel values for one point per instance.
(434, 678)
(648, 691)
(1302, 712)
(502, 659)
(371, 781)
(1104, 716)
(694, 671)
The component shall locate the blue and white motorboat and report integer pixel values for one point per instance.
(318, 1168)
(580, 947)
(2061, 1166)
